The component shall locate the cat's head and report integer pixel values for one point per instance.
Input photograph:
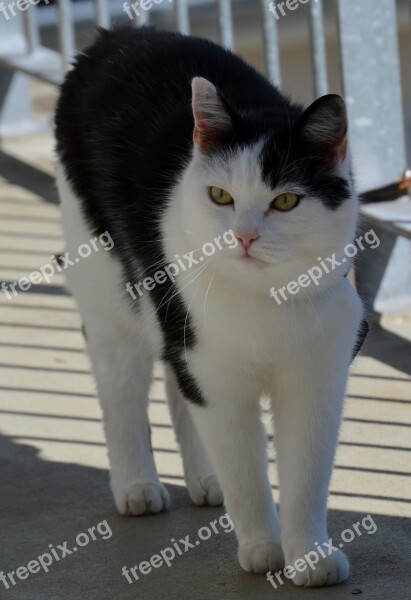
(280, 180)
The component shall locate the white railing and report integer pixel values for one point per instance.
(21, 50)
(50, 66)
(369, 57)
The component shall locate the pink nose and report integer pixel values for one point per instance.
(246, 239)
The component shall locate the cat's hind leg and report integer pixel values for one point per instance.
(122, 358)
(122, 365)
(201, 481)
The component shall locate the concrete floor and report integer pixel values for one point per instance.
(53, 469)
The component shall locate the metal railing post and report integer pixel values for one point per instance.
(103, 13)
(16, 116)
(31, 28)
(372, 84)
(66, 32)
(319, 53)
(225, 23)
(271, 44)
(182, 16)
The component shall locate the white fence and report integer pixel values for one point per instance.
(370, 74)
(20, 46)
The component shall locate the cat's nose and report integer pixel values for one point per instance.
(246, 239)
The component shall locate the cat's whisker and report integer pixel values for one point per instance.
(166, 262)
(206, 295)
(202, 267)
(140, 275)
(163, 302)
(188, 312)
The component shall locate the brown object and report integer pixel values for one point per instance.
(389, 192)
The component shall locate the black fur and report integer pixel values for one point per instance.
(361, 337)
(124, 129)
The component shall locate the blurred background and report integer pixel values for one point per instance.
(358, 49)
(67, 26)
(53, 462)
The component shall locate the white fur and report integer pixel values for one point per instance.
(298, 353)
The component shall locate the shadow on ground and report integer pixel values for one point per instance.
(21, 174)
(388, 348)
(45, 503)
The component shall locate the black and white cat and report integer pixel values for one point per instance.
(168, 142)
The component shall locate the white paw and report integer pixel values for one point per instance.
(330, 570)
(261, 556)
(205, 491)
(141, 498)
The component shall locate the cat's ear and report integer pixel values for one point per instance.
(323, 128)
(211, 117)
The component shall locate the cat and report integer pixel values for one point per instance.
(169, 142)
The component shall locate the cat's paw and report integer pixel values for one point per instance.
(261, 556)
(205, 491)
(330, 570)
(141, 498)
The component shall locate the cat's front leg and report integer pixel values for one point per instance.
(308, 398)
(231, 430)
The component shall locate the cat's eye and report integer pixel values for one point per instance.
(286, 202)
(220, 196)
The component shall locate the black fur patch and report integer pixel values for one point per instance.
(361, 337)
